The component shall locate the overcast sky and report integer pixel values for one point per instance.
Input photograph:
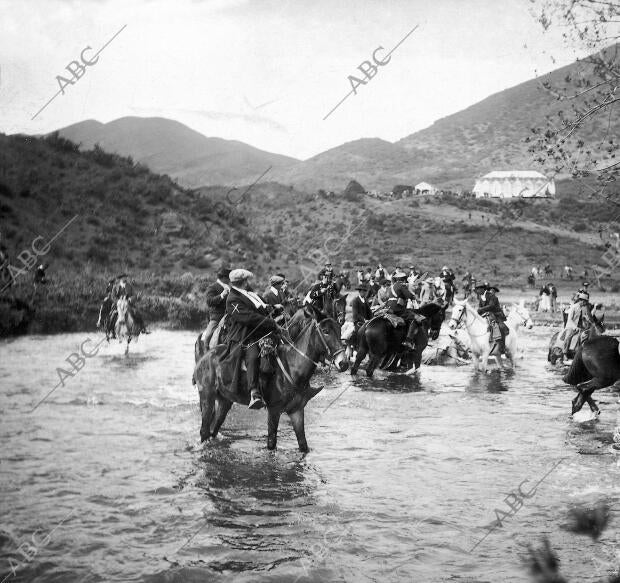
(266, 72)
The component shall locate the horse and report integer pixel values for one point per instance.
(313, 338)
(381, 341)
(477, 327)
(596, 365)
(127, 325)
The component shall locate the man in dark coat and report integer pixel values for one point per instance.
(399, 294)
(249, 322)
(125, 290)
(275, 298)
(360, 308)
(216, 302)
(489, 307)
(320, 291)
(327, 270)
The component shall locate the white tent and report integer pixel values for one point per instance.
(513, 184)
(425, 188)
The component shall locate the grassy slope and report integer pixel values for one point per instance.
(129, 219)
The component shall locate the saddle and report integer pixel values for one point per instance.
(396, 321)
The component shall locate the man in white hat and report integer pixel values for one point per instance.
(249, 322)
(428, 294)
(579, 318)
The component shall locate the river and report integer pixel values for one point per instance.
(106, 479)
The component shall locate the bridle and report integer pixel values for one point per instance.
(331, 356)
(458, 320)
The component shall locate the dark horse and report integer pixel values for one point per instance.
(383, 343)
(596, 365)
(313, 338)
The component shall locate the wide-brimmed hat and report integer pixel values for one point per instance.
(583, 296)
(398, 274)
(482, 285)
(494, 288)
(384, 281)
(362, 287)
(275, 279)
(237, 275)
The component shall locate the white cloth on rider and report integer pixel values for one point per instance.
(253, 297)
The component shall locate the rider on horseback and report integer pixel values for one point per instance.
(216, 302)
(107, 312)
(125, 290)
(579, 319)
(328, 270)
(489, 307)
(249, 323)
(396, 303)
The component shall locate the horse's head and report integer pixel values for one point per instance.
(522, 315)
(326, 332)
(458, 315)
(340, 309)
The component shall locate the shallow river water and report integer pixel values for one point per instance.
(106, 480)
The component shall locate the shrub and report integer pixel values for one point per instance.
(579, 227)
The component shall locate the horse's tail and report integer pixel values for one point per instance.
(577, 373)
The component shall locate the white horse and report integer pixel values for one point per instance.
(464, 314)
(126, 326)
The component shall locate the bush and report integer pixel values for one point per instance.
(579, 227)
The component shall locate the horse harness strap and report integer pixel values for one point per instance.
(287, 376)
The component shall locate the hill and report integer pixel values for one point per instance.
(455, 150)
(169, 147)
(121, 218)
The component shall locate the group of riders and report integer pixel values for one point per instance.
(241, 316)
(250, 317)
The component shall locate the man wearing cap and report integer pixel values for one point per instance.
(216, 301)
(274, 297)
(489, 307)
(249, 322)
(399, 294)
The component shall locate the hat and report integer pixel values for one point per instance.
(444, 267)
(223, 272)
(328, 263)
(237, 275)
(481, 285)
(362, 287)
(494, 288)
(583, 296)
(275, 279)
(384, 281)
(398, 274)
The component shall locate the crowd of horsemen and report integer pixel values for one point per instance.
(249, 317)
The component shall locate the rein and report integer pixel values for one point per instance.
(314, 323)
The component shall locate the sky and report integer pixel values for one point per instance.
(267, 72)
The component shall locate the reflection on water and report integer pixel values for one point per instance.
(403, 476)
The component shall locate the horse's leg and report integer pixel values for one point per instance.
(362, 351)
(373, 363)
(207, 402)
(273, 420)
(591, 402)
(584, 391)
(297, 418)
(222, 407)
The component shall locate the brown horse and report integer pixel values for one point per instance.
(313, 338)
